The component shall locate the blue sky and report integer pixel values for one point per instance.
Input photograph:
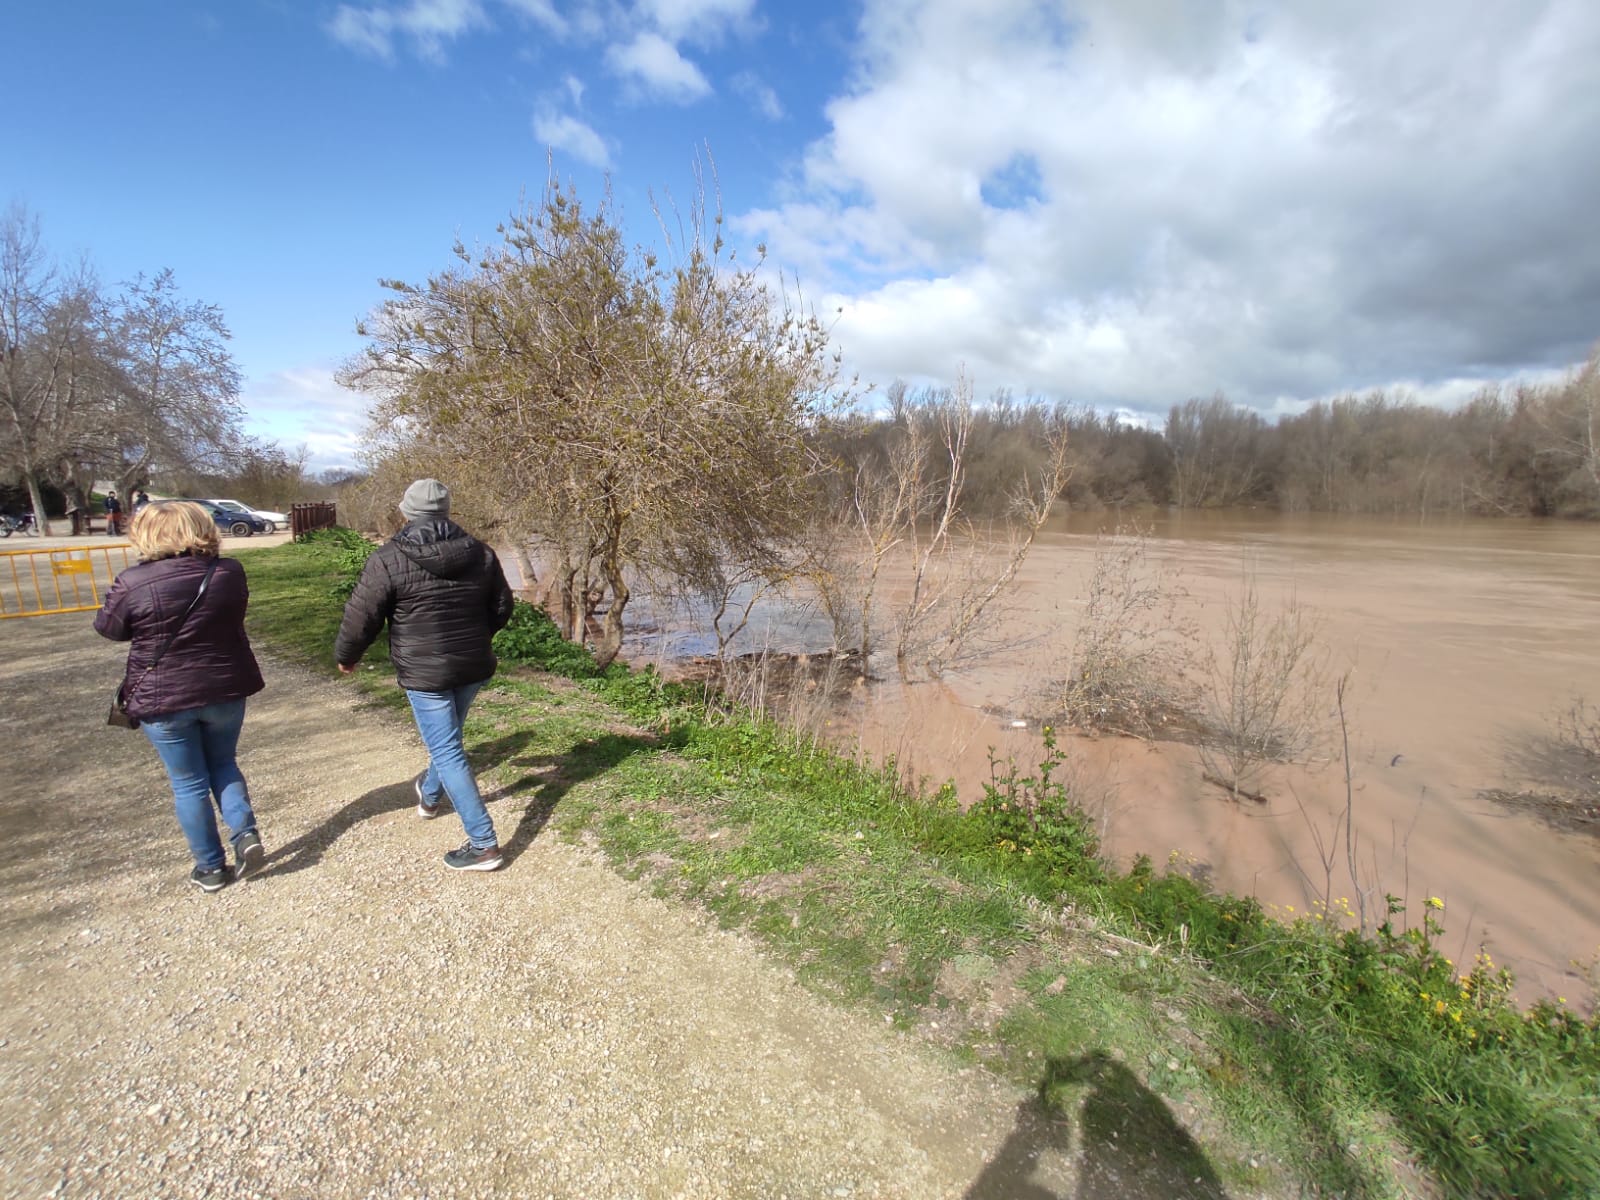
(1120, 202)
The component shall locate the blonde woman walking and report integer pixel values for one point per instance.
(190, 668)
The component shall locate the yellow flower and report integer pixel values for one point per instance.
(1423, 996)
(1435, 902)
(1438, 1007)
(1455, 1016)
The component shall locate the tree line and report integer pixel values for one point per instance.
(1511, 450)
(128, 384)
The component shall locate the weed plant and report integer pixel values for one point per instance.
(1316, 1058)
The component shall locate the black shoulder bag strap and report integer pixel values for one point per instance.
(176, 629)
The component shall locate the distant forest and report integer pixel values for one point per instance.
(1510, 451)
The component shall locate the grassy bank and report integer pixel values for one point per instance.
(1189, 1044)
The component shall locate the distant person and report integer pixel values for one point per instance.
(444, 596)
(189, 670)
(113, 508)
(140, 499)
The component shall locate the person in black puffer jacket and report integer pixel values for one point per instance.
(444, 596)
(189, 672)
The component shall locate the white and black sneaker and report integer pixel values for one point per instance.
(213, 880)
(471, 858)
(425, 810)
(252, 855)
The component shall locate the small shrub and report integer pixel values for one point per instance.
(1264, 701)
(348, 551)
(531, 638)
(1130, 657)
(1034, 816)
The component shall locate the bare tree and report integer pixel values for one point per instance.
(177, 405)
(1568, 419)
(49, 357)
(1215, 452)
(1264, 702)
(1132, 657)
(905, 504)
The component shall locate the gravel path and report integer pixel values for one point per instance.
(360, 1022)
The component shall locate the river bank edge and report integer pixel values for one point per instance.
(831, 865)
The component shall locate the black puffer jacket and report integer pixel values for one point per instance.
(444, 595)
(209, 661)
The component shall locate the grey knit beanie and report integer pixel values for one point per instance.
(425, 498)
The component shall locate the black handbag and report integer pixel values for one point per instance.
(119, 717)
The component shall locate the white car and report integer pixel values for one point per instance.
(275, 520)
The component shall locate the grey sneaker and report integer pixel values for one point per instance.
(252, 855)
(210, 881)
(425, 810)
(470, 858)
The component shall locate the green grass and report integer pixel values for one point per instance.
(1228, 1047)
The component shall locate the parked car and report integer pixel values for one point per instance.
(275, 520)
(240, 523)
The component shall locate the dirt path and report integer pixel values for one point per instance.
(358, 1021)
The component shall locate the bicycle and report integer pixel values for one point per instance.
(23, 524)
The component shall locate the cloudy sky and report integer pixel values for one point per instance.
(1120, 202)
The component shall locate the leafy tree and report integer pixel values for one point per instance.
(626, 414)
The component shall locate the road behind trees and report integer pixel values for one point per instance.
(358, 1021)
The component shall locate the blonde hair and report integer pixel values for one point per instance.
(167, 528)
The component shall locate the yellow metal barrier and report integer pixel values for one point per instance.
(36, 582)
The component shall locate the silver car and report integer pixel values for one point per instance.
(275, 520)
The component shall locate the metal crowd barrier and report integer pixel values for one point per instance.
(35, 583)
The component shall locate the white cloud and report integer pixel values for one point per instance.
(561, 131)
(653, 62)
(542, 13)
(429, 24)
(749, 85)
(304, 406)
(1136, 202)
(696, 20)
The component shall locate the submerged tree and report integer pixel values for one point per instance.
(900, 499)
(623, 413)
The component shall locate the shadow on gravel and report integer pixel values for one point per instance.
(307, 849)
(1130, 1147)
(557, 774)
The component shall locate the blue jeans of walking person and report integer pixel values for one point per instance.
(197, 747)
(440, 718)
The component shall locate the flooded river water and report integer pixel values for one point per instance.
(1463, 641)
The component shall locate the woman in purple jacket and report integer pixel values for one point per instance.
(189, 698)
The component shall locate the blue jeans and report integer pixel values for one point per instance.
(197, 747)
(440, 716)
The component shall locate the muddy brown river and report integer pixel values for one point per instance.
(1461, 641)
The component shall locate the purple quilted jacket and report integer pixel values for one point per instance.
(210, 660)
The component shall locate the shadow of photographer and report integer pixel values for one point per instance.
(1129, 1145)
